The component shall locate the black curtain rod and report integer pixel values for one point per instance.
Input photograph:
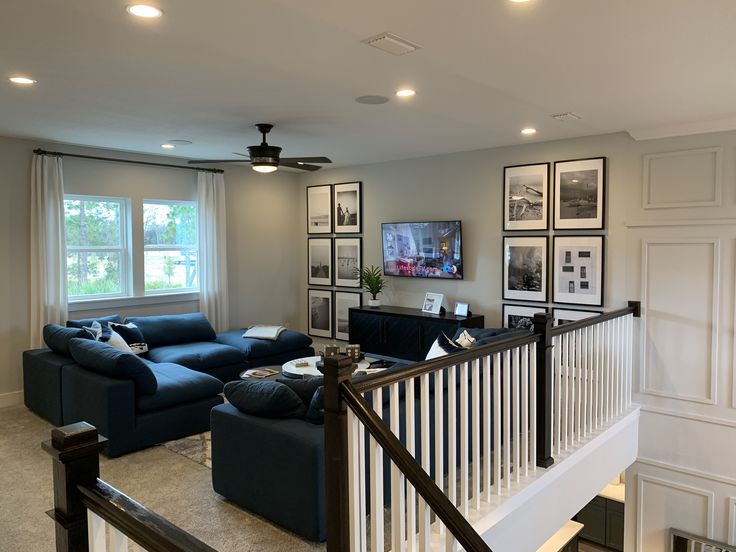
(115, 160)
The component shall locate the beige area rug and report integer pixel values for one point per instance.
(197, 448)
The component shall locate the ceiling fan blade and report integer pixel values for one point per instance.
(203, 161)
(243, 154)
(306, 160)
(302, 166)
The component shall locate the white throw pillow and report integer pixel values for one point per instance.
(117, 341)
(435, 351)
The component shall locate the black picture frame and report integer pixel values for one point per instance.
(347, 196)
(515, 205)
(320, 307)
(313, 256)
(575, 280)
(516, 263)
(317, 211)
(525, 311)
(572, 315)
(570, 177)
(344, 264)
(355, 299)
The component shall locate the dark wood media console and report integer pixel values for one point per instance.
(401, 332)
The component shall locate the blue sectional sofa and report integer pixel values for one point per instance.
(138, 401)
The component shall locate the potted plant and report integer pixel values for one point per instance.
(372, 281)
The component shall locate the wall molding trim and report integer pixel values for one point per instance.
(643, 479)
(717, 200)
(689, 416)
(684, 470)
(680, 222)
(14, 398)
(715, 243)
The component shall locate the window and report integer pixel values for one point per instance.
(96, 246)
(170, 246)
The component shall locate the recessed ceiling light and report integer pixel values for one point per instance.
(405, 93)
(519, 1)
(22, 80)
(168, 146)
(529, 131)
(575, 180)
(144, 10)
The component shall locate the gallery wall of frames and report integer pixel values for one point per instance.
(334, 255)
(558, 266)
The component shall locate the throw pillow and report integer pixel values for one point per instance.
(258, 331)
(132, 336)
(268, 399)
(88, 321)
(115, 340)
(311, 392)
(99, 331)
(465, 340)
(106, 360)
(57, 337)
(448, 345)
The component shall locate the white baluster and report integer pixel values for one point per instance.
(376, 470)
(452, 434)
(118, 540)
(354, 481)
(439, 435)
(398, 480)
(475, 423)
(580, 385)
(411, 513)
(516, 405)
(558, 375)
(424, 511)
(464, 430)
(507, 418)
(497, 375)
(96, 532)
(566, 402)
(533, 409)
(487, 434)
(524, 410)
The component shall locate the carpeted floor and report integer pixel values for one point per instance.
(165, 481)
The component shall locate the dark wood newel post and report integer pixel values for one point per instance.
(75, 452)
(543, 326)
(336, 369)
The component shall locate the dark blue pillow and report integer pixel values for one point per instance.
(107, 360)
(88, 321)
(268, 399)
(173, 329)
(316, 410)
(311, 392)
(57, 337)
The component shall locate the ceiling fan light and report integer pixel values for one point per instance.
(265, 167)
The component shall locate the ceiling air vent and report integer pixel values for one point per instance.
(394, 45)
(566, 116)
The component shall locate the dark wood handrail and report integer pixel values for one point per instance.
(422, 482)
(145, 527)
(593, 320)
(382, 379)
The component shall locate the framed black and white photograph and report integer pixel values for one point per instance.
(525, 204)
(520, 316)
(433, 302)
(579, 194)
(525, 268)
(343, 301)
(563, 316)
(320, 313)
(347, 259)
(347, 208)
(319, 209)
(319, 251)
(578, 270)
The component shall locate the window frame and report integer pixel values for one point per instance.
(180, 248)
(124, 249)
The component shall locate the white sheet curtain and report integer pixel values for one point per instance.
(213, 300)
(48, 247)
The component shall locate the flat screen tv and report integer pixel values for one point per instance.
(423, 249)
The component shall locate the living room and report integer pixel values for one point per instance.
(422, 158)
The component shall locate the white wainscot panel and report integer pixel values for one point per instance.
(689, 178)
(732, 521)
(681, 279)
(663, 504)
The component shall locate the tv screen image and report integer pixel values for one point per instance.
(423, 249)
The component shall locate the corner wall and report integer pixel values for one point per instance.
(671, 242)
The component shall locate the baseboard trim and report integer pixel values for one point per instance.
(14, 398)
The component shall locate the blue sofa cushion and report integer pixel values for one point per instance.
(201, 356)
(311, 392)
(289, 340)
(171, 329)
(267, 399)
(57, 337)
(107, 360)
(88, 321)
(177, 385)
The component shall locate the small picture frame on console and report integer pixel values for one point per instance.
(578, 270)
(525, 205)
(520, 316)
(320, 313)
(462, 309)
(433, 302)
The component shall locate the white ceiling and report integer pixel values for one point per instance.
(209, 69)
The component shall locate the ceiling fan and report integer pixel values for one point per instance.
(265, 158)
